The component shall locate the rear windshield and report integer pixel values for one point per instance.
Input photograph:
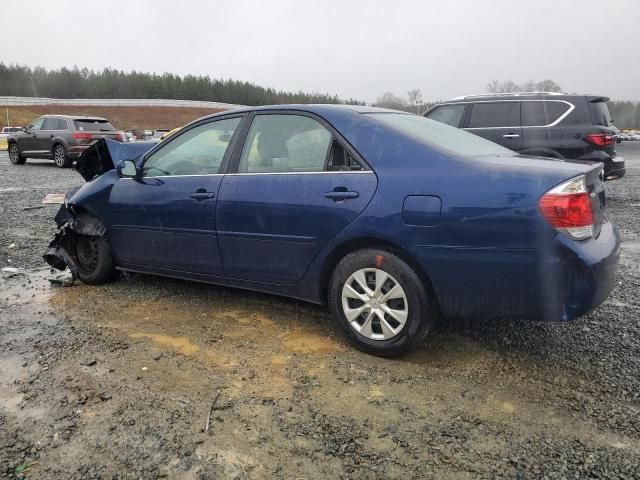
(91, 125)
(450, 138)
(600, 114)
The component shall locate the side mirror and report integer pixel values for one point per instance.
(128, 168)
(25, 129)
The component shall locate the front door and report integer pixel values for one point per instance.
(294, 188)
(497, 121)
(29, 140)
(166, 220)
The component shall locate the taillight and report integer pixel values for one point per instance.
(81, 135)
(567, 208)
(600, 139)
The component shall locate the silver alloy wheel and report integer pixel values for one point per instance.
(374, 304)
(58, 156)
(13, 153)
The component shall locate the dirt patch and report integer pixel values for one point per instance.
(118, 381)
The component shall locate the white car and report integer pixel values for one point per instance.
(6, 131)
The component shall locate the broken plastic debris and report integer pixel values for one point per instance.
(10, 269)
(54, 199)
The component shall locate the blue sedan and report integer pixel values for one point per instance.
(391, 219)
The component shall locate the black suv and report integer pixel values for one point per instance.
(547, 124)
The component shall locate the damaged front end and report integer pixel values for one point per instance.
(61, 251)
(83, 206)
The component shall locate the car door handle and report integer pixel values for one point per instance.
(510, 135)
(199, 196)
(339, 195)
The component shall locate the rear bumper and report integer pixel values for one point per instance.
(557, 283)
(614, 169)
(74, 151)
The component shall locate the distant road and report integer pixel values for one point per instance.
(115, 102)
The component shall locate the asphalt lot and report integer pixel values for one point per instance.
(119, 381)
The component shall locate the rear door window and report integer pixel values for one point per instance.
(494, 114)
(91, 125)
(539, 114)
(448, 114)
(285, 143)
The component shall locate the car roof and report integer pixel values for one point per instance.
(317, 108)
(487, 97)
(75, 117)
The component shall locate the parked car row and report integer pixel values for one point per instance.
(629, 136)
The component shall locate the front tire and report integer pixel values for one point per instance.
(94, 257)
(380, 303)
(60, 157)
(14, 155)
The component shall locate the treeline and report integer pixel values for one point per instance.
(625, 115)
(23, 81)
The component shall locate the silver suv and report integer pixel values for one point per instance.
(61, 138)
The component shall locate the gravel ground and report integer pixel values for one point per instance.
(120, 381)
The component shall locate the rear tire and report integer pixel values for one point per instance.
(14, 155)
(387, 315)
(60, 156)
(94, 257)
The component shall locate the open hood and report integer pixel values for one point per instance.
(105, 154)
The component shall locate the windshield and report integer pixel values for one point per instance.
(436, 133)
(91, 125)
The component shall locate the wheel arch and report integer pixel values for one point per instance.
(541, 152)
(57, 142)
(354, 244)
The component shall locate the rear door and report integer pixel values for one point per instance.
(293, 186)
(498, 121)
(165, 220)
(45, 136)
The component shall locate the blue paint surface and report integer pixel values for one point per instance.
(471, 226)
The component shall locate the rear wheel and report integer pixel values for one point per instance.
(14, 155)
(380, 303)
(94, 257)
(60, 157)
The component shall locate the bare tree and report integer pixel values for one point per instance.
(548, 85)
(507, 86)
(415, 98)
(389, 100)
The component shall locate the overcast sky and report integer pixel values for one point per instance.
(354, 49)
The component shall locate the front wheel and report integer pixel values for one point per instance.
(94, 257)
(60, 157)
(14, 155)
(380, 303)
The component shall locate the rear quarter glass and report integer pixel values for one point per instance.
(93, 125)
